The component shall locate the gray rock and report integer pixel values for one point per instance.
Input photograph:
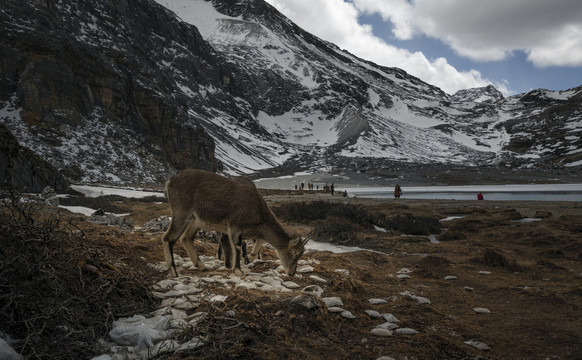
(387, 326)
(314, 290)
(418, 299)
(305, 269)
(290, 285)
(335, 309)
(306, 301)
(375, 301)
(390, 318)
(160, 224)
(332, 301)
(479, 345)
(318, 279)
(347, 315)
(374, 314)
(480, 310)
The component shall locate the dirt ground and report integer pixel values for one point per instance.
(534, 289)
(528, 274)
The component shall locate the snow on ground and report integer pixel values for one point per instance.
(336, 249)
(401, 112)
(299, 128)
(575, 163)
(79, 209)
(95, 191)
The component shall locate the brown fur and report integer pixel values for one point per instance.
(203, 200)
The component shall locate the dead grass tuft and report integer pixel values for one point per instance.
(493, 258)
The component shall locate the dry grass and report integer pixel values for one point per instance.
(60, 302)
(61, 289)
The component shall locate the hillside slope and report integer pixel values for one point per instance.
(129, 92)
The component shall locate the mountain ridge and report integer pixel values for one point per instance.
(243, 91)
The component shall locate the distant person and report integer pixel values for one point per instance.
(317, 187)
(345, 193)
(480, 197)
(331, 188)
(295, 186)
(397, 191)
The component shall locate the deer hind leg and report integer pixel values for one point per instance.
(225, 251)
(188, 242)
(235, 237)
(169, 240)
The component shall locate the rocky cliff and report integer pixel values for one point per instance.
(24, 170)
(85, 78)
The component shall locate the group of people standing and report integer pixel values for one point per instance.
(310, 186)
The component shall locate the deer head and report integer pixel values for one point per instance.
(290, 256)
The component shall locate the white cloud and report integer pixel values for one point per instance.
(548, 31)
(337, 21)
(566, 52)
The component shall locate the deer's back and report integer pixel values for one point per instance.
(215, 198)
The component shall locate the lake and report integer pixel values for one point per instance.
(537, 192)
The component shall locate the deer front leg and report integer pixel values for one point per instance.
(188, 242)
(255, 252)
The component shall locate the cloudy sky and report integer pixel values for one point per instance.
(516, 45)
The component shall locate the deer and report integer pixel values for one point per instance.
(203, 200)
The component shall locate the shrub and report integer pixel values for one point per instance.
(336, 231)
(306, 212)
(415, 225)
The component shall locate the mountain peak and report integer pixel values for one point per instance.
(485, 94)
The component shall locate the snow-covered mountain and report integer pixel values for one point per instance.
(178, 83)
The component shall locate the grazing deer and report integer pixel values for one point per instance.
(202, 200)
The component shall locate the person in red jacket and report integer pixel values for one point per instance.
(480, 196)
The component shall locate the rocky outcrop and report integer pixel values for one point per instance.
(85, 64)
(21, 168)
(351, 125)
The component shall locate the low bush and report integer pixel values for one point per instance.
(306, 212)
